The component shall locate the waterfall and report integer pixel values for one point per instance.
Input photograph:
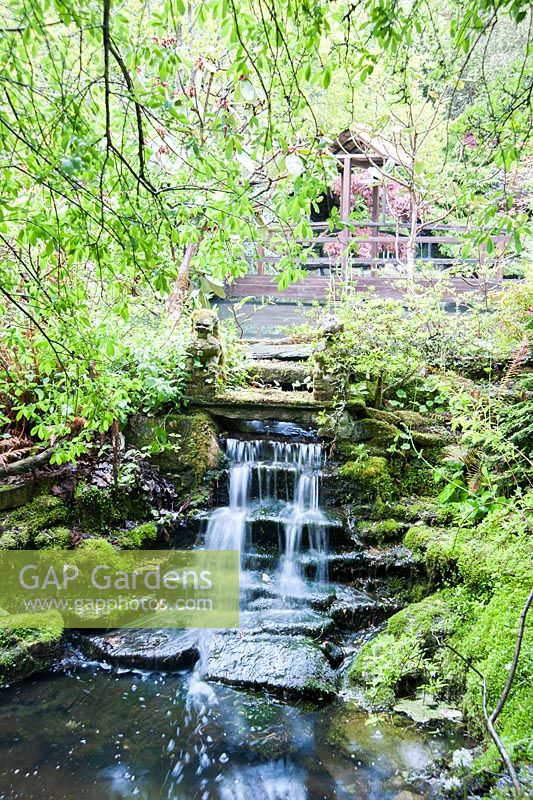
(279, 481)
(226, 529)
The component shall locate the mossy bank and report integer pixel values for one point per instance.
(467, 627)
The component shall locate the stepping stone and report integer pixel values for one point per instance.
(291, 666)
(144, 649)
(281, 352)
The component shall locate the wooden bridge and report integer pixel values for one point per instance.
(378, 253)
(320, 287)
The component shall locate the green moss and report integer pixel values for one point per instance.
(15, 539)
(376, 432)
(380, 531)
(53, 538)
(44, 511)
(34, 523)
(140, 536)
(415, 478)
(26, 650)
(412, 637)
(433, 616)
(424, 432)
(385, 664)
(98, 509)
(430, 644)
(388, 417)
(368, 479)
(390, 510)
(100, 548)
(429, 441)
(489, 643)
(482, 557)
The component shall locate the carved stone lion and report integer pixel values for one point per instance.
(206, 357)
(326, 382)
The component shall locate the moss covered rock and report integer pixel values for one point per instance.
(13, 495)
(139, 536)
(25, 651)
(376, 433)
(183, 446)
(368, 479)
(380, 531)
(409, 653)
(443, 643)
(40, 523)
(425, 431)
(96, 509)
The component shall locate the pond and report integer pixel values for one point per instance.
(98, 733)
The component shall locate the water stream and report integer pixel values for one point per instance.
(276, 480)
(95, 731)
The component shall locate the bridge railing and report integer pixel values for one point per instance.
(373, 246)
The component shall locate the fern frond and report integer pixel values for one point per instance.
(520, 357)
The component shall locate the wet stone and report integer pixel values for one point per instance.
(287, 622)
(144, 649)
(355, 610)
(292, 666)
(394, 561)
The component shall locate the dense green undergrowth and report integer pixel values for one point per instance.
(466, 628)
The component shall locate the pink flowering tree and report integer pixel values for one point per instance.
(362, 184)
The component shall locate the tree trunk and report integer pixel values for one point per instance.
(27, 464)
(180, 291)
(410, 255)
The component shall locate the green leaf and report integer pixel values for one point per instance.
(247, 91)
(294, 164)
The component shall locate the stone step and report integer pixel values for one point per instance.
(161, 649)
(351, 606)
(304, 622)
(372, 562)
(268, 349)
(355, 610)
(344, 567)
(287, 375)
(292, 666)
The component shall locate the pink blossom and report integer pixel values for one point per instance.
(469, 139)
(361, 186)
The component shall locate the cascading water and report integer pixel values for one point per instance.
(282, 480)
(226, 529)
(276, 478)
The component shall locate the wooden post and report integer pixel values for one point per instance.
(260, 259)
(345, 210)
(375, 218)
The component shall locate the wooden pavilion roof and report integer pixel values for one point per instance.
(367, 148)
